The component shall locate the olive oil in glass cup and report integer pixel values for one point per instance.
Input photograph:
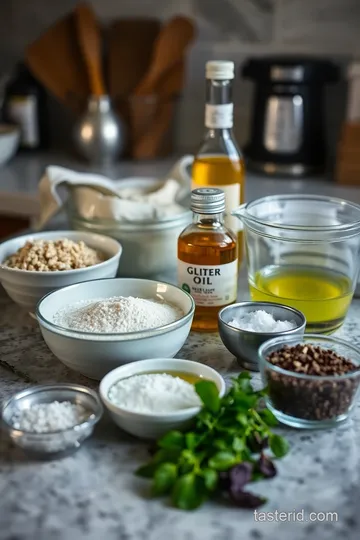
(303, 251)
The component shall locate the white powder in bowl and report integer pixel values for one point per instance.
(117, 314)
(153, 393)
(48, 417)
(261, 321)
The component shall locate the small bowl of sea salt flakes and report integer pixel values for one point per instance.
(51, 421)
(243, 327)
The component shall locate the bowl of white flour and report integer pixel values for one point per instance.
(96, 326)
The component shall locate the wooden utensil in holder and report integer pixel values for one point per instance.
(152, 108)
(99, 135)
(55, 60)
(145, 72)
(348, 150)
(348, 155)
(89, 35)
(130, 44)
(152, 117)
(169, 49)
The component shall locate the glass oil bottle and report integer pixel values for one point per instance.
(207, 258)
(218, 162)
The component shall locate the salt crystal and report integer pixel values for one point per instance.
(154, 393)
(49, 417)
(261, 321)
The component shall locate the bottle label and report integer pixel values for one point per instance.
(232, 201)
(209, 285)
(219, 116)
(23, 111)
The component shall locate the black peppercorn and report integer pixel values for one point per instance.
(311, 398)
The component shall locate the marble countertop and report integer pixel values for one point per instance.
(94, 494)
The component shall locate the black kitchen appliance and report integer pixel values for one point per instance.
(26, 105)
(287, 131)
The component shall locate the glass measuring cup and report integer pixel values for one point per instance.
(303, 251)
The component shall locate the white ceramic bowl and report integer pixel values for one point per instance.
(149, 247)
(26, 287)
(152, 426)
(93, 354)
(9, 142)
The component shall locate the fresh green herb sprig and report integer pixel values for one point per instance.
(222, 453)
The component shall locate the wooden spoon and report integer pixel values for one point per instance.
(130, 43)
(157, 141)
(89, 35)
(172, 81)
(55, 60)
(169, 49)
(151, 139)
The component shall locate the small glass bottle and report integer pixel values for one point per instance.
(218, 162)
(207, 258)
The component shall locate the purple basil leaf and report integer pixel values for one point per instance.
(246, 499)
(240, 475)
(266, 466)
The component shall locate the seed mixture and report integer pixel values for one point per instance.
(154, 393)
(117, 314)
(54, 255)
(47, 417)
(261, 321)
(308, 398)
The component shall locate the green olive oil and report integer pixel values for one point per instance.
(191, 378)
(322, 295)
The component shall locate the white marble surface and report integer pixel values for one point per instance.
(94, 493)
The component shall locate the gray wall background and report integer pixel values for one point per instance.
(228, 29)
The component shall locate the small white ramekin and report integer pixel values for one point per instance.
(152, 426)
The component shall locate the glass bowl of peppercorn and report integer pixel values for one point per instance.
(312, 381)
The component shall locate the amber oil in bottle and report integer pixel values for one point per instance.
(218, 162)
(207, 258)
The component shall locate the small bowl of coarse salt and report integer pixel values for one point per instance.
(151, 397)
(51, 421)
(243, 327)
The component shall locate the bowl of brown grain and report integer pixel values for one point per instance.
(33, 265)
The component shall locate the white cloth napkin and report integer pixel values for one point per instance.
(132, 199)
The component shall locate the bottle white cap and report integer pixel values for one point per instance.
(220, 69)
